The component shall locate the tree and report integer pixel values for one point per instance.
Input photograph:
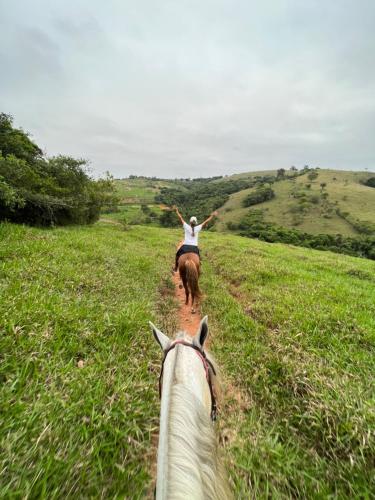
(16, 142)
(280, 173)
(169, 219)
(46, 191)
(323, 185)
(8, 196)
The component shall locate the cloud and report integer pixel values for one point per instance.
(193, 88)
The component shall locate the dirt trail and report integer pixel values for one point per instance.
(186, 319)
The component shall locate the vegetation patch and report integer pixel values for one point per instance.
(312, 204)
(370, 182)
(254, 226)
(364, 227)
(260, 194)
(46, 191)
(201, 196)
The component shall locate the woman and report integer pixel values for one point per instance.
(190, 242)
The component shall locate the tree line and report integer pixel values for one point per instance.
(254, 226)
(42, 191)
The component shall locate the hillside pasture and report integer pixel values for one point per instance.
(292, 207)
(133, 214)
(293, 331)
(139, 190)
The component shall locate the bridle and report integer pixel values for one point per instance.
(208, 368)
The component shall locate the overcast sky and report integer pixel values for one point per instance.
(193, 87)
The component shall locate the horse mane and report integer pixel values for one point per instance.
(195, 469)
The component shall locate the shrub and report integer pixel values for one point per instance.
(232, 226)
(312, 175)
(315, 199)
(124, 223)
(145, 209)
(370, 182)
(295, 208)
(261, 194)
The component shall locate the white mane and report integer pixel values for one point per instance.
(188, 462)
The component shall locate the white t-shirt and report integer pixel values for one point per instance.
(189, 238)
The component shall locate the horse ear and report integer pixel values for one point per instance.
(160, 337)
(202, 332)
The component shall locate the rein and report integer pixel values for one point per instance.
(208, 368)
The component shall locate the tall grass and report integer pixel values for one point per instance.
(295, 331)
(78, 364)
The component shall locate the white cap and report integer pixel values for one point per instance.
(193, 219)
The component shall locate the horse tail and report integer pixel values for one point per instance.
(192, 279)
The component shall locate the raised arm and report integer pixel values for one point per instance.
(179, 215)
(214, 214)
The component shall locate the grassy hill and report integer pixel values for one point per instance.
(315, 214)
(133, 193)
(139, 190)
(293, 331)
(334, 202)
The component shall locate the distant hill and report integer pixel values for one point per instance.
(334, 202)
(314, 208)
(138, 190)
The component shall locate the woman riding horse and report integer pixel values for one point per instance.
(190, 243)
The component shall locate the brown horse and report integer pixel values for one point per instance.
(189, 268)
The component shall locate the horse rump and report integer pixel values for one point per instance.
(192, 277)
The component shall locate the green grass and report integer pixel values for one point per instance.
(293, 331)
(139, 190)
(344, 192)
(73, 296)
(133, 214)
(248, 175)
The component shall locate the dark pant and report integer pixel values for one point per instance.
(186, 249)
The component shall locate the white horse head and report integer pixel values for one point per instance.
(188, 464)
